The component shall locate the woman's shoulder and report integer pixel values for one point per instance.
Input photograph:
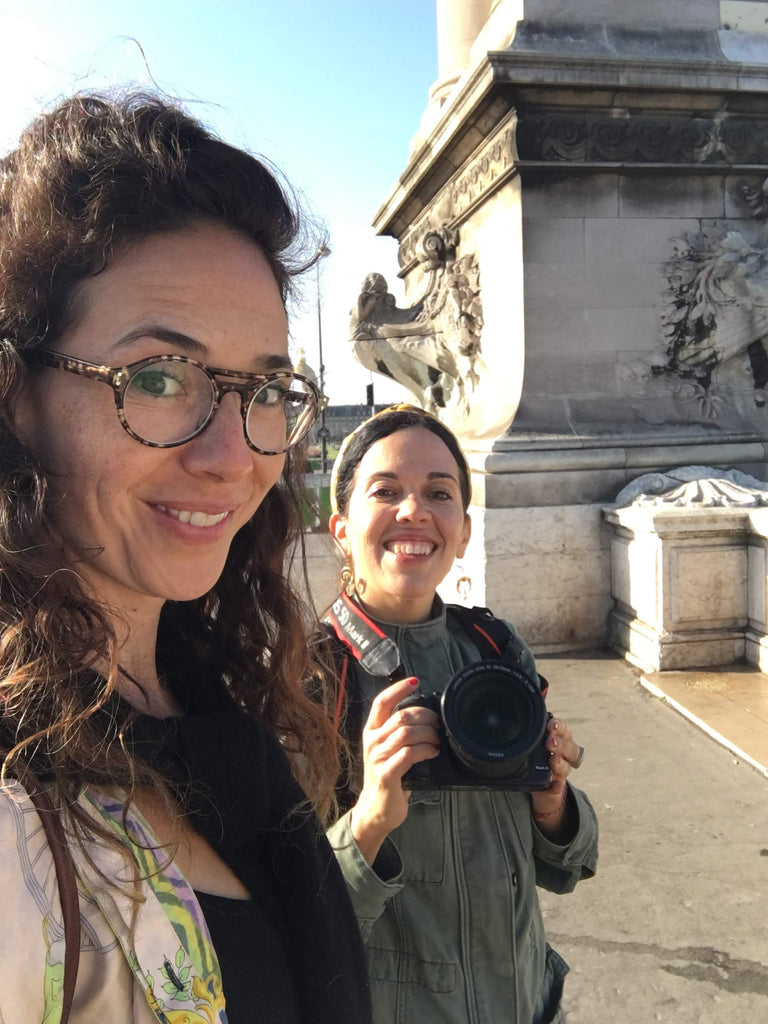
(30, 906)
(17, 812)
(26, 861)
(489, 635)
(486, 629)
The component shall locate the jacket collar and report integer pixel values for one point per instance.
(419, 633)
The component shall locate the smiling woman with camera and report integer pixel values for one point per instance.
(459, 791)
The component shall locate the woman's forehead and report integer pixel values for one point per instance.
(411, 450)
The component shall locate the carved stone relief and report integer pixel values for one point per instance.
(602, 137)
(690, 486)
(490, 169)
(715, 315)
(433, 347)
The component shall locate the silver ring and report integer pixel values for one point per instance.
(579, 759)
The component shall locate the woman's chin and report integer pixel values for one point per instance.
(190, 589)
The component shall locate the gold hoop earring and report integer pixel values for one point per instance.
(463, 585)
(348, 580)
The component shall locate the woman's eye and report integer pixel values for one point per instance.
(158, 383)
(271, 394)
(382, 492)
(441, 495)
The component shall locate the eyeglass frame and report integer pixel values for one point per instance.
(119, 378)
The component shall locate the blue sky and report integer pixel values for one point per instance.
(331, 91)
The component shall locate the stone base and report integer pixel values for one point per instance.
(653, 651)
(756, 649)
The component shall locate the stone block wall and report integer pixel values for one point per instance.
(545, 569)
(596, 252)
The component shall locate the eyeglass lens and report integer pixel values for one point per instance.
(168, 402)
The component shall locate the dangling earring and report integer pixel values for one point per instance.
(348, 580)
(463, 584)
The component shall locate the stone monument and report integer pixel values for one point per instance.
(689, 569)
(583, 229)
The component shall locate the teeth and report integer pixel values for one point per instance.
(410, 547)
(194, 518)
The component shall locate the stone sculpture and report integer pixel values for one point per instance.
(716, 315)
(433, 347)
(695, 485)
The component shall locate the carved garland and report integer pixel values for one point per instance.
(488, 170)
(582, 137)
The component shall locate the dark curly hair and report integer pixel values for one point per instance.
(95, 172)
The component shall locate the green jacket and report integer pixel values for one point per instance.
(449, 912)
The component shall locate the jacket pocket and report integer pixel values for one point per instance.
(420, 840)
(551, 989)
(393, 966)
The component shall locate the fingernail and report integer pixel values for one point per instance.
(413, 682)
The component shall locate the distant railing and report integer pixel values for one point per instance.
(317, 502)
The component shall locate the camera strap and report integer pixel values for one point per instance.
(377, 653)
(492, 636)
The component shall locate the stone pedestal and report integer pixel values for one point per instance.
(756, 638)
(680, 581)
(603, 163)
(689, 586)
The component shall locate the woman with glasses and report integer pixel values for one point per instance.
(461, 799)
(164, 774)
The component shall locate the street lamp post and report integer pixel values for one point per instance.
(323, 433)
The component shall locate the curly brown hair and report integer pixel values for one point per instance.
(97, 171)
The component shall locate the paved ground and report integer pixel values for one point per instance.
(674, 927)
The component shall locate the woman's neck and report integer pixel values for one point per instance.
(138, 681)
(402, 612)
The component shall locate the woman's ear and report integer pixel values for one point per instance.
(465, 535)
(338, 527)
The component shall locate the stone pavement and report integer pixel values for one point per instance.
(674, 927)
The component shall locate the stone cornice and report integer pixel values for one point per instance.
(487, 171)
(469, 118)
(597, 71)
(492, 90)
(617, 457)
(567, 136)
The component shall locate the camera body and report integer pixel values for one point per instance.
(494, 723)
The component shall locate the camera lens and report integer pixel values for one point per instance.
(493, 713)
(494, 716)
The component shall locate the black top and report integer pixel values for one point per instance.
(233, 777)
(255, 970)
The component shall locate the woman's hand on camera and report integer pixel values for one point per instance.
(551, 810)
(393, 741)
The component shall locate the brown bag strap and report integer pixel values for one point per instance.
(67, 883)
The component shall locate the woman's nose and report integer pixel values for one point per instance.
(221, 449)
(412, 507)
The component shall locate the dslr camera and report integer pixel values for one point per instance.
(493, 732)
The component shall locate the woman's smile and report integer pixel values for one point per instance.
(193, 526)
(410, 546)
